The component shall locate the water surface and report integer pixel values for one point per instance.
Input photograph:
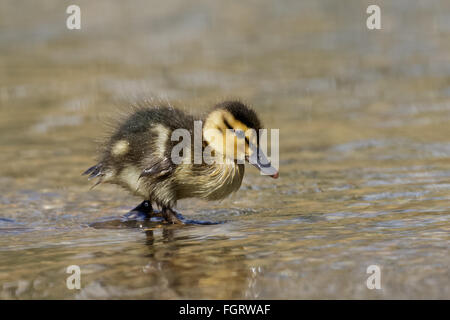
(364, 120)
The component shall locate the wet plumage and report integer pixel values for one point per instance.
(138, 156)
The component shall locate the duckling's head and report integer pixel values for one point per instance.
(232, 130)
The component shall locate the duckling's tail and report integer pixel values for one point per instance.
(94, 172)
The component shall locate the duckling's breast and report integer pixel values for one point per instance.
(210, 182)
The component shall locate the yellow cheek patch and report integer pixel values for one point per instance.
(225, 142)
(241, 145)
(222, 120)
(120, 148)
(215, 138)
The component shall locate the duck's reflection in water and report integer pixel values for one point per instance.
(167, 236)
(184, 266)
(191, 260)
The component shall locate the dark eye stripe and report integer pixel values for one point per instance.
(227, 124)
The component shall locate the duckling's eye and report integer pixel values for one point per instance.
(240, 134)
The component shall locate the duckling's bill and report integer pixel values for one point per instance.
(260, 161)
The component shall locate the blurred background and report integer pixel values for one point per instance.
(364, 148)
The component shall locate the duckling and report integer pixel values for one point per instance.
(139, 155)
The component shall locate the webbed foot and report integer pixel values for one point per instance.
(143, 211)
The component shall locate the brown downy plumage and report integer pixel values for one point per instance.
(138, 155)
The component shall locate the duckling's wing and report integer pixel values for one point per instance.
(159, 169)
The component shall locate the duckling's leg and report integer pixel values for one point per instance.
(170, 216)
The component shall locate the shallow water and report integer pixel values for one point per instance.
(364, 147)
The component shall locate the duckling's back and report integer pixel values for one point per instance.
(137, 155)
